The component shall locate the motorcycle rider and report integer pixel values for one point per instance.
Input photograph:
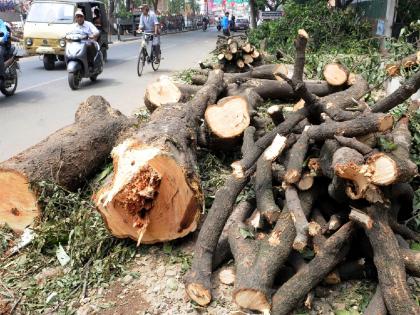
(150, 24)
(3, 46)
(87, 28)
(205, 21)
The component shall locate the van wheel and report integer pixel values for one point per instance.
(49, 62)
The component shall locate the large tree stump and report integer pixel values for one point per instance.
(387, 259)
(155, 194)
(67, 157)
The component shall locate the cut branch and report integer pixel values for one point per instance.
(67, 157)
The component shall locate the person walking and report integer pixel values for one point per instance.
(226, 24)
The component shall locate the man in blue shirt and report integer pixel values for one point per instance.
(3, 46)
(150, 24)
(225, 24)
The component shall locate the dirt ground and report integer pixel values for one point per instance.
(153, 285)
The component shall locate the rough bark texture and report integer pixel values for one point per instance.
(296, 159)
(354, 144)
(198, 284)
(361, 125)
(263, 181)
(399, 96)
(155, 192)
(258, 262)
(388, 262)
(299, 218)
(68, 157)
(376, 305)
(294, 290)
(223, 253)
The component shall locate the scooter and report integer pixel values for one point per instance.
(8, 83)
(76, 59)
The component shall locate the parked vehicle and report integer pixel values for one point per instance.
(242, 24)
(76, 57)
(48, 22)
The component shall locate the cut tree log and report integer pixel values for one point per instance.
(276, 114)
(395, 167)
(295, 289)
(266, 204)
(296, 159)
(299, 219)
(226, 121)
(154, 194)
(163, 91)
(336, 74)
(355, 144)
(223, 253)
(388, 261)
(198, 283)
(376, 305)
(399, 96)
(67, 157)
(247, 59)
(268, 72)
(361, 125)
(393, 69)
(258, 261)
(306, 182)
(240, 63)
(349, 164)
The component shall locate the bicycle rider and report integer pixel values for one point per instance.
(150, 24)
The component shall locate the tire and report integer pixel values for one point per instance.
(9, 91)
(104, 54)
(49, 62)
(140, 62)
(155, 65)
(74, 80)
(93, 78)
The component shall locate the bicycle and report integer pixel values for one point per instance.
(144, 55)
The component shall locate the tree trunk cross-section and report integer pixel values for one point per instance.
(67, 157)
(155, 193)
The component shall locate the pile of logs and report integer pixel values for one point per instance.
(321, 182)
(235, 53)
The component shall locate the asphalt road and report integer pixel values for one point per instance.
(44, 102)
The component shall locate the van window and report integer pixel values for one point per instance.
(51, 12)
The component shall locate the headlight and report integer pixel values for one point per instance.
(62, 43)
(29, 42)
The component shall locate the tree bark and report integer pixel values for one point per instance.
(376, 305)
(258, 262)
(223, 253)
(154, 194)
(296, 159)
(67, 157)
(294, 290)
(387, 259)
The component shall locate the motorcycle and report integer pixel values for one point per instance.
(204, 26)
(76, 58)
(219, 26)
(8, 84)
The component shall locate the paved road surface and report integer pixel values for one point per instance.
(44, 102)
